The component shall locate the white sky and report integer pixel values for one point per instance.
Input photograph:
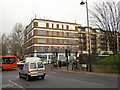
(14, 11)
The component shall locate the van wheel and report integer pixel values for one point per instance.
(42, 77)
(27, 77)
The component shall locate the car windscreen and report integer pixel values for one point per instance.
(40, 65)
(33, 66)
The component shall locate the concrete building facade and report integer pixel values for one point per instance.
(46, 37)
(99, 42)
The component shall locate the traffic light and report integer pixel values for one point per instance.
(66, 55)
(76, 53)
(56, 54)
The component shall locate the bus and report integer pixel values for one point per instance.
(8, 62)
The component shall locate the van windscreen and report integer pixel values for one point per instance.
(40, 65)
(33, 66)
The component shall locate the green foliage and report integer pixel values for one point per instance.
(113, 60)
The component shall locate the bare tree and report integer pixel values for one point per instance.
(4, 44)
(0, 44)
(106, 17)
(17, 40)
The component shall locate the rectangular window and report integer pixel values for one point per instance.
(41, 40)
(47, 25)
(65, 41)
(62, 26)
(52, 25)
(60, 49)
(65, 34)
(60, 33)
(50, 41)
(70, 41)
(61, 41)
(71, 34)
(54, 33)
(42, 49)
(67, 27)
(41, 32)
(55, 41)
(50, 33)
(58, 26)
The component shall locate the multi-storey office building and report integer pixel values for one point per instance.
(44, 37)
(97, 40)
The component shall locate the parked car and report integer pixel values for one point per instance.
(32, 68)
(63, 62)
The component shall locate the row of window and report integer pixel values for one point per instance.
(52, 49)
(58, 26)
(55, 33)
(61, 41)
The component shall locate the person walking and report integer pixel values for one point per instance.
(52, 64)
(73, 65)
(59, 63)
(76, 65)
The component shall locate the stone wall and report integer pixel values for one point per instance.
(102, 69)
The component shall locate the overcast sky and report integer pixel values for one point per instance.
(14, 11)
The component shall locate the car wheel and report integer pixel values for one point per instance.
(27, 77)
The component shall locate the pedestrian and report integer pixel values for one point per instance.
(59, 63)
(73, 65)
(51, 64)
(76, 65)
(67, 64)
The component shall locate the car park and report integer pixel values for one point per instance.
(32, 67)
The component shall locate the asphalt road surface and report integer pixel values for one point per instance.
(58, 79)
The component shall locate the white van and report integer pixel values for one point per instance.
(32, 68)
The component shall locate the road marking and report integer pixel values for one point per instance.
(17, 85)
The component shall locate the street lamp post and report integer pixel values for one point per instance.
(82, 3)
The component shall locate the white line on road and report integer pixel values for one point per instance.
(17, 85)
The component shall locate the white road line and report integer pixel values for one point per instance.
(17, 85)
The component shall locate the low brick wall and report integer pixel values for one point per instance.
(107, 69)
(102, 69)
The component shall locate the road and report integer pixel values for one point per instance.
(59, 79)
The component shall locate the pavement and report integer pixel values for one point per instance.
(64, 69)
